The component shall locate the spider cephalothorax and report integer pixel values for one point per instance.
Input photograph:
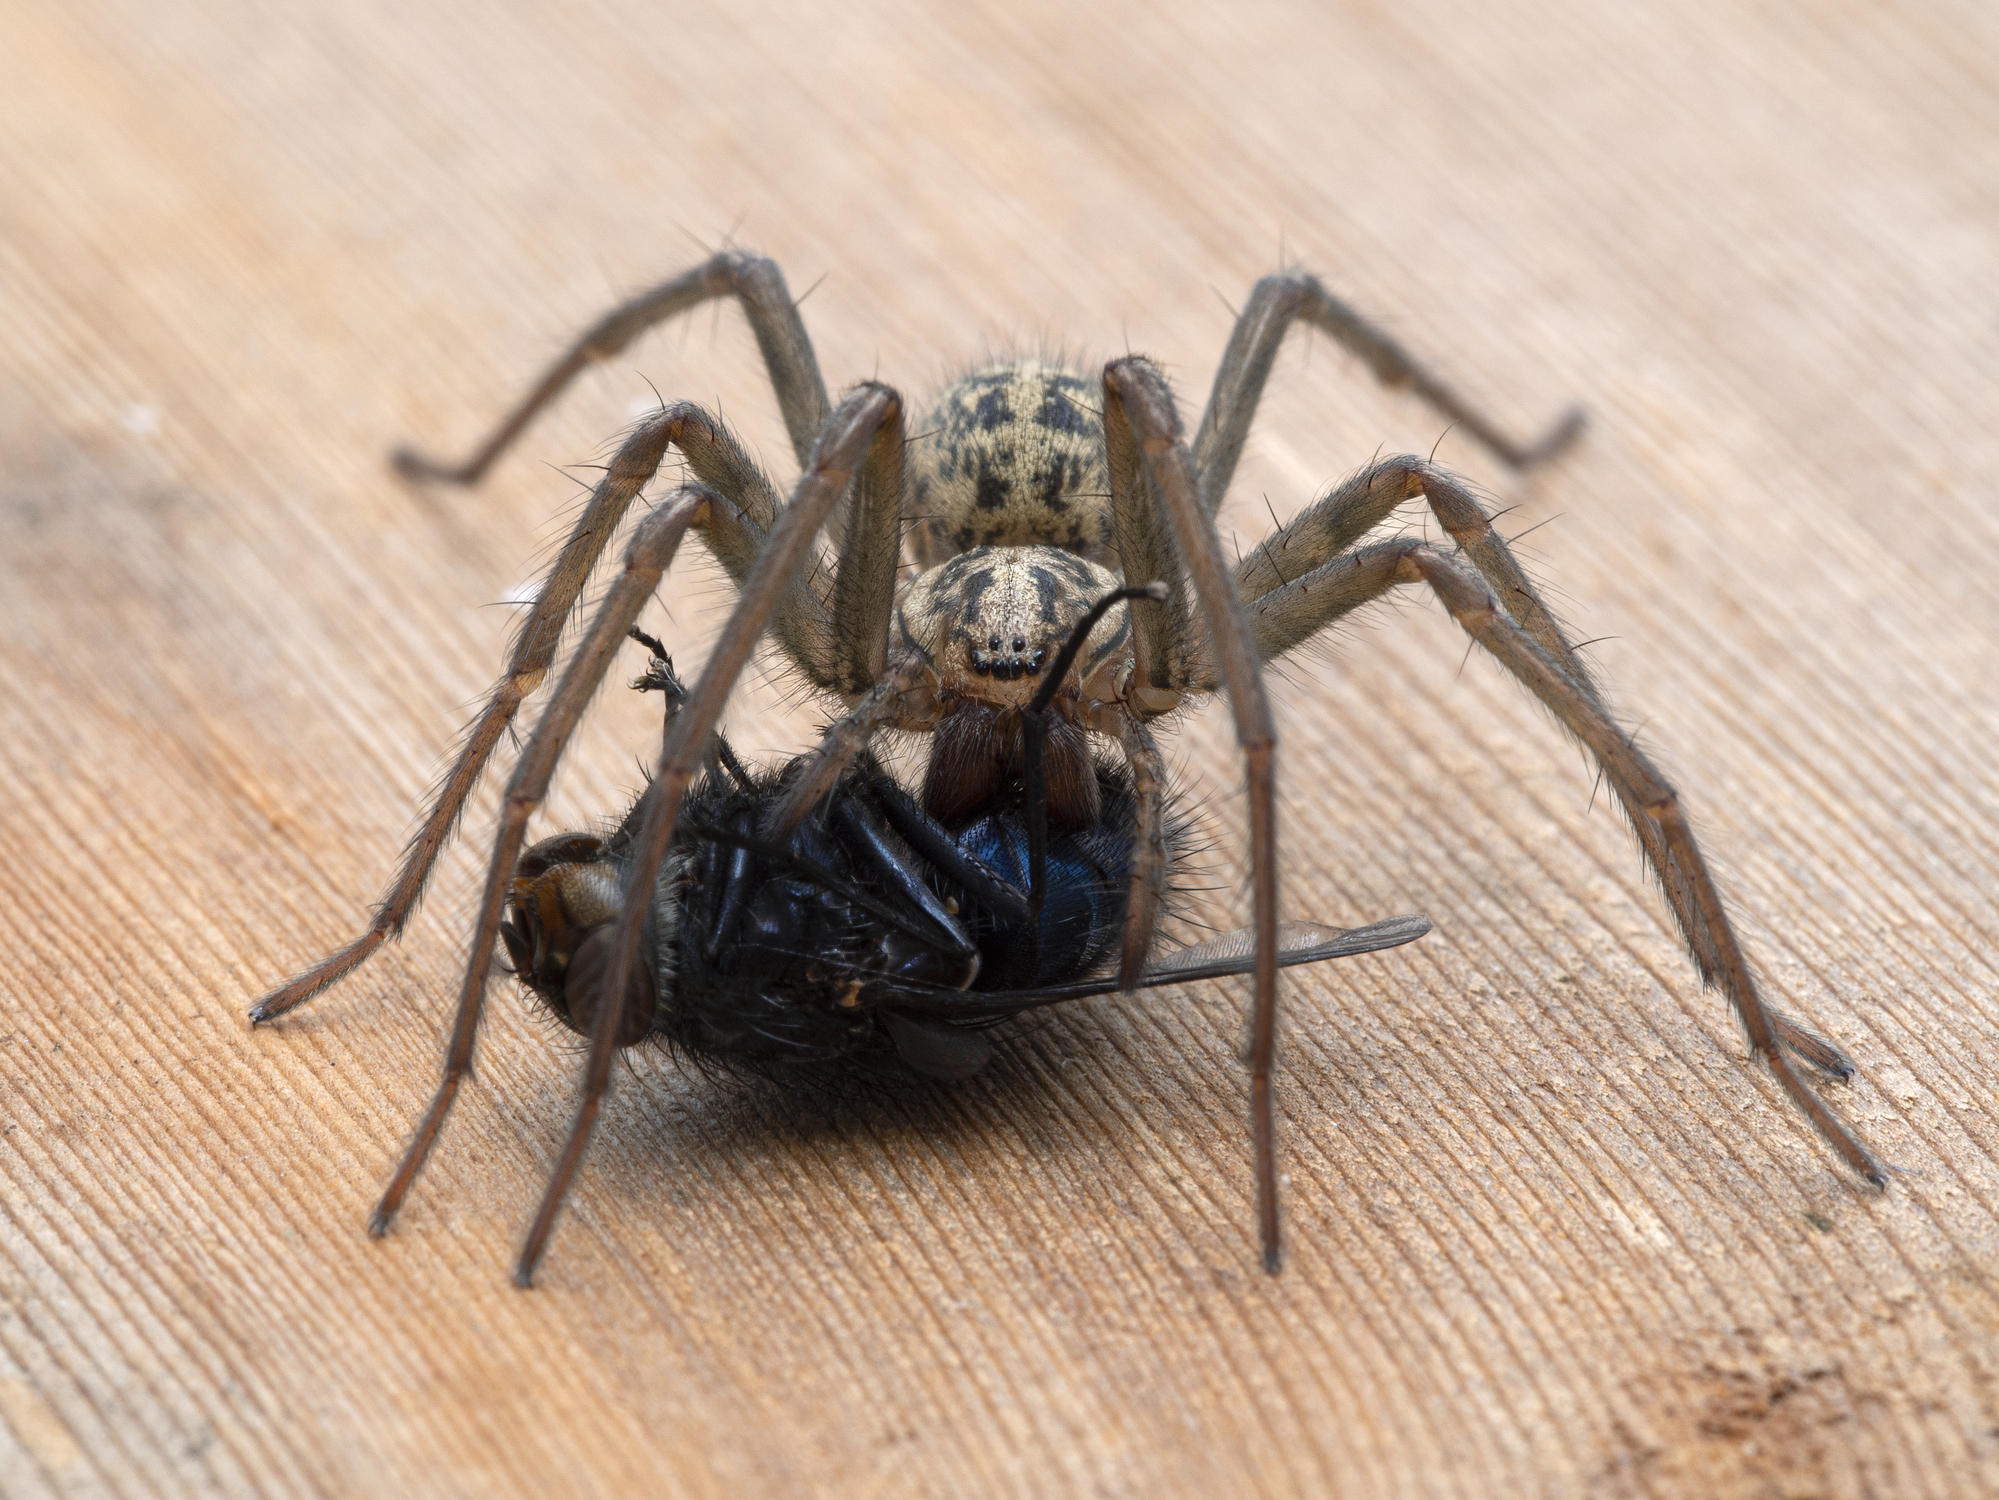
(985, 626)
(1032, 492)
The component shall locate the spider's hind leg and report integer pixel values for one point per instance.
(1299, 582)
(1663, 826)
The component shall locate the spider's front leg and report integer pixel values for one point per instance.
(756, 283)
(863, 437)
(865, 433)
(646, 561)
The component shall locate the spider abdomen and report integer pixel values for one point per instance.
(1011, 456)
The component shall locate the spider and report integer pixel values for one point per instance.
(1032, 492)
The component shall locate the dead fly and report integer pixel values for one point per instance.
(1029, 492)
(872, 935)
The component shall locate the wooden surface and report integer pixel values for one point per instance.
(1549, 1234)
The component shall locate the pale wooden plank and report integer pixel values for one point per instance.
(1549, 1234)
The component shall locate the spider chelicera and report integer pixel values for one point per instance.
(1031, 493)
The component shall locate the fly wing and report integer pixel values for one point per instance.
(1231, 953)
(1297, 943)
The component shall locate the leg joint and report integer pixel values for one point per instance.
(1471, 603)
(1404, 471)
(1462, 516)
(638, 459)
(1284, 290)
(737, 270)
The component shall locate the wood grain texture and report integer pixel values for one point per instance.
(1550, 1235)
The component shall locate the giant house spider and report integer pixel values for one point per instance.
(1033, 496)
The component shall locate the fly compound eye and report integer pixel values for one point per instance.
(563, 849)
(520, 944)
(583, 989)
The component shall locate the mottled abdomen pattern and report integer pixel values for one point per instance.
(1011, 457)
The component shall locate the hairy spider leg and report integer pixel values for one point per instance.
(735, 532)
(1287, 297)
(865, 432)
(756, 283)
(1504, 623)
(646, 560)
(771, 584)
(1143, 435)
